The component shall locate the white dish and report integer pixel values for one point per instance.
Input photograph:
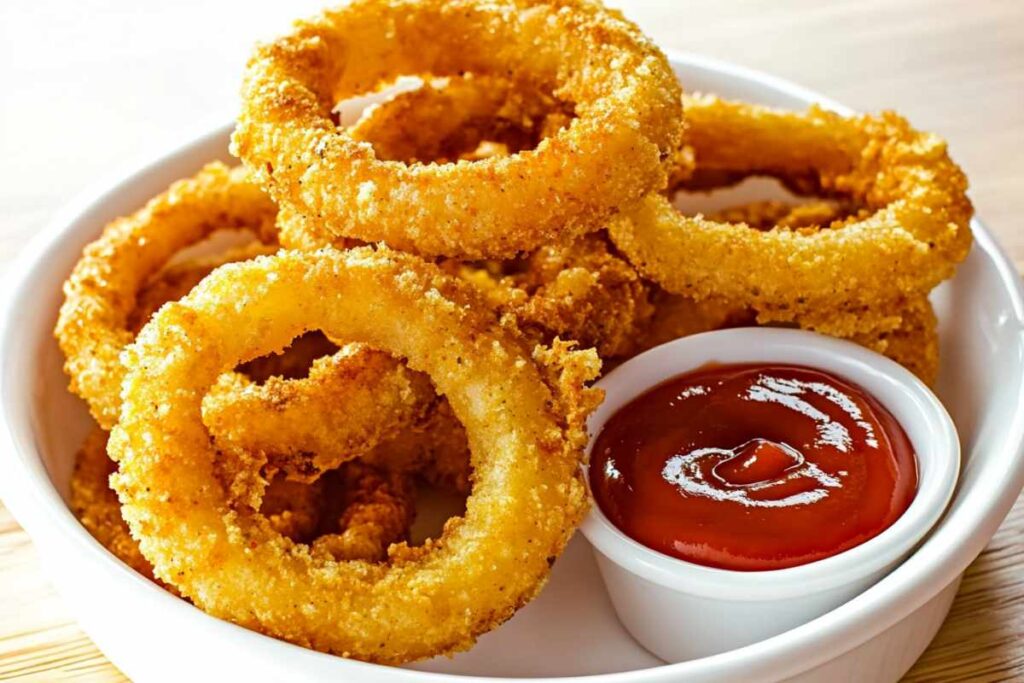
(681, 611)
(570, 630)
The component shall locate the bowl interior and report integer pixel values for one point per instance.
(980, 383)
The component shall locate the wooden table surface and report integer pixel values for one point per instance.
(92, 86)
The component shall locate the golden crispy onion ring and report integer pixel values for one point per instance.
(368, 510)
(93, 325)
(442, 121)
(917, 232)
(902, 329)
(524, 417)
(576, 289)
(121, 271)
(623, 91)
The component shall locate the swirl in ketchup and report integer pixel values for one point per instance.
(753, 467)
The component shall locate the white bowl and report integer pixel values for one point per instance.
(571, 629)
(681, 611)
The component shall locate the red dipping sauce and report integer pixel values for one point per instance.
(753, 467)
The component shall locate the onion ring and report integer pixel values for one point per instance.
(913, 343)
(625, 96)
(892, 328)
(92, 327)
(97, 318)
(524, 417)
(577, 289)
(445, 120)
(918, 231)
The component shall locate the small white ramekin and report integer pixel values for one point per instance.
(679, 610)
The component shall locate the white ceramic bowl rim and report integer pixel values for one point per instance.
(932, 433)
(936, 564)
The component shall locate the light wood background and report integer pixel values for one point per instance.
(91, 86)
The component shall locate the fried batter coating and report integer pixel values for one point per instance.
(906, 331)
(523, 413)
(355, 516)
(678, 316)
(770, 214)
(350, 399)
(913, 343)
(621, 87)
(93, 326)
(96, 505)
(917, 231)
(127, 269)
(449, 119)
(293, 508)
(370, 510)
(575, 289)
(177, 280)
(578, 290)
(435, 449)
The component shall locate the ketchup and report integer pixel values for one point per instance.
(753, 467)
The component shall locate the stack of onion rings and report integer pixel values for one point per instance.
(275, 421)
(527, 494)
